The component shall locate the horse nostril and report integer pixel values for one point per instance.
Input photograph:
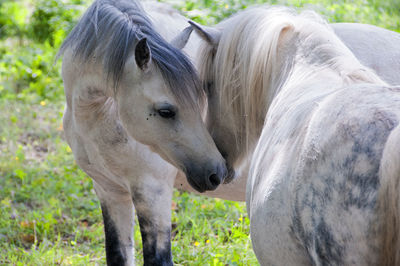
(214, 180)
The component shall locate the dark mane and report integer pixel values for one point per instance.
(109, 31)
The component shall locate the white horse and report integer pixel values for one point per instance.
(142, 174)
(320, 131)
(129, 94)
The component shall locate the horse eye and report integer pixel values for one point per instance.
(166, 113)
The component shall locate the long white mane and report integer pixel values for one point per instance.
(263, 50)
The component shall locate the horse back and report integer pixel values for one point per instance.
(385, 60)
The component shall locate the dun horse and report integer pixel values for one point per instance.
(146, 174)
(129, 94)
(320, 132)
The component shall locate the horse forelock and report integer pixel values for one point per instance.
(108, 32)
(248, 70)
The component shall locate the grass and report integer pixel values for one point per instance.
(49, 213)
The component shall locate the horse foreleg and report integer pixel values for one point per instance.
(114, 196)
(152, 200)
(118, 216)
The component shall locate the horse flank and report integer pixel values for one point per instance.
(107, 34)
(246, 68)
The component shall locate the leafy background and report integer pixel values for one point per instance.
(49, 213)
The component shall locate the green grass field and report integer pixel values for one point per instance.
(49, 213)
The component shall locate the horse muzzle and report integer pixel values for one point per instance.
(208, 177)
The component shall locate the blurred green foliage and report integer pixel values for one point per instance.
(383, 13)
(51, 19)
(30, 34)
(12, 18)
(31, 31)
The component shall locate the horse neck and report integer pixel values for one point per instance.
(244, 78)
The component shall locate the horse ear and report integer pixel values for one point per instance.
(181, 40)
(208, 34)
(142, 54)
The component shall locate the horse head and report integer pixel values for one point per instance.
(160, 108)
(151, 84)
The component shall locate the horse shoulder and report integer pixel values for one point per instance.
(90, 117)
